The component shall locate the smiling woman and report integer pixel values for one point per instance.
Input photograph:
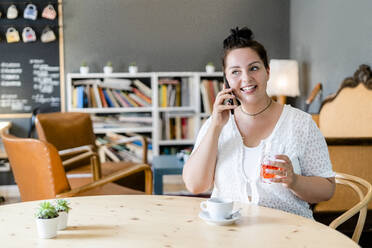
(304, 172)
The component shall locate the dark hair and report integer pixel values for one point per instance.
(241, 38)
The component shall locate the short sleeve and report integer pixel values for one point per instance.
(202, 132)
(315, 160)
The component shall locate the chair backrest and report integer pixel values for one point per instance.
(348, 112)
(65, 129)
(37, 168)
(364, 191)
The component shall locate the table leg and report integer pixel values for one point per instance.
(158, 183)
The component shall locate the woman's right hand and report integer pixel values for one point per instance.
(220, 114)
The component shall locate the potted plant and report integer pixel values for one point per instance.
(84, 68)
(62, 207)
(132, 68)
(108, 68)
(47, 220)
(209, 68)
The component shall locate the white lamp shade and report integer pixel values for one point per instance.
(283, 78)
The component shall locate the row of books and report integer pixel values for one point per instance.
(120, 150)
(174, 92)
(110, 93)
(172, 150)
(124, 120)
(176, 127)
(209, 90)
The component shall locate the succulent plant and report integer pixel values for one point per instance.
(62, 205)
(46, 210)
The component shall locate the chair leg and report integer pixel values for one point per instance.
(96, 168)
(148, 181)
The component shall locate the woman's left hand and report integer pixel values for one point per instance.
(285, 175)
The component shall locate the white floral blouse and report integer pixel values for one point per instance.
(303, 143)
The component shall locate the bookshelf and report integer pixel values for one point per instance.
(173, 117)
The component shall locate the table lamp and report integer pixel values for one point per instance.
(283, 80)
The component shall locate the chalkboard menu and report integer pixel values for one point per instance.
(29, 72)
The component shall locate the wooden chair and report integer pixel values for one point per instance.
(39, 173)
(355, 184)
(72, 134)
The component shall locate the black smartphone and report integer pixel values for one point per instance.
(227, 86)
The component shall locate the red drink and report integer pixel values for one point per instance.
(265, 175)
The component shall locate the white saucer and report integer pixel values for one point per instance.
(220, 222)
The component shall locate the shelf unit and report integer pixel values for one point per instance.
(193, 110)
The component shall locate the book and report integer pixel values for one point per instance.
(178, 128)
(143, 88)
(107, 98)
(117, 83)
(178, 95)
(205, 99)
(184, 128)
(185, 92)
(102, 97)
(92, 97)
(163, 97)
(88, 99)
(123, 102)
(142, 95)
(74, 97)
(110, 154)
(86, 82)
(171, 93)
(80, 97)
(139, 100)
(97, 96)
(112, 98)
(130, 100)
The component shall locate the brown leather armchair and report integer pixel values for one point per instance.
(39, 173)
(72, 134)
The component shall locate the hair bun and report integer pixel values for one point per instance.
(244, 33)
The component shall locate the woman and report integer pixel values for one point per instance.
(229, 146)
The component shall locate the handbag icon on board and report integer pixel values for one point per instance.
(12, 35)
(30, 12)
(28, 35)
(12, 12)
(47, 35)
(49, 12)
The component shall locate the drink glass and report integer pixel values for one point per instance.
(267, 163)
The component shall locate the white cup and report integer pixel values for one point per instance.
(217, 208)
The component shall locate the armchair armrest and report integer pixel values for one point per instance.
(94, 161)
(114, 177)
(76, 150)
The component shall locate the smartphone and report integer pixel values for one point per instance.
(227, 86)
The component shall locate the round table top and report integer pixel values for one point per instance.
(163, 221)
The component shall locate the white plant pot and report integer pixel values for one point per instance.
(108, 69)
(209, 68)
(47, 228)
(133, 69)
(84, 69)
(62, 223)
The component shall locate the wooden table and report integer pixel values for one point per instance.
(163, 221)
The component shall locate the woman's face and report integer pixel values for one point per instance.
(246, 75)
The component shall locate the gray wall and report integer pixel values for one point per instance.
(166, 35)
(330, 39)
